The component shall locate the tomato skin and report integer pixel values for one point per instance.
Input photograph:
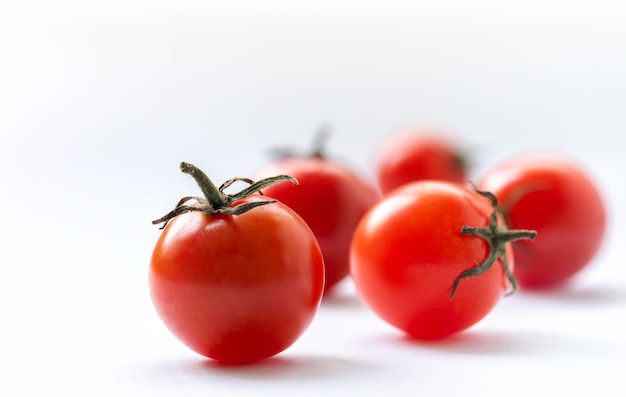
(551, 194)
(237, 288)
(330, 198)
(408, 250)
(415, 155)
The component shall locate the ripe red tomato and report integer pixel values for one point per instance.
(432, 258)
(414, 155)
(551, 194)
(331, 198)
(238, 280)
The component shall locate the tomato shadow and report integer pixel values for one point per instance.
(287, 367)
(342, 295)
(490, 343)
(590, 294)
(341, 300)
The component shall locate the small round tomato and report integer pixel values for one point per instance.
(551, 194)
(237, 278)
(330, 197)
(414, 155)
(423, 258)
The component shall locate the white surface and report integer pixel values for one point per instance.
(100, 101)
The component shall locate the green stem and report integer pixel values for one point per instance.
(317, 149)
(497, 237)
(319, 144)
(215, 201)
(262, 184)
(211, 192)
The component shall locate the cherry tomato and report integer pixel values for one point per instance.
(331, 198)
(414, 155)
(432, 258)
(551, 194)
(237, 278)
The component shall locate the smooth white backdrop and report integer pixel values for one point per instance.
(101, 100)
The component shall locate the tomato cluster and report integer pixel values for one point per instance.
(239, 277)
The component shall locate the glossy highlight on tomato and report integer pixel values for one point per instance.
(421, 258)
(552, 194)
(238, 282)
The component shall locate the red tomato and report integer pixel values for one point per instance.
(330, 198)
(432, 258)
(551, 194)
(415, 155)
(237, 282)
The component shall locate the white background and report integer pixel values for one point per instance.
(101, 100)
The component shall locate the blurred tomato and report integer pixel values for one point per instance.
(413, 155)
(549, 193)
(330, 197)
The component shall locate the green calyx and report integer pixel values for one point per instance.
(317, 150)
(215, 200)
(497, 237)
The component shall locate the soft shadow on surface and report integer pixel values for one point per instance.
(482, 342)
(592, 294)
(342, 295)
(341, 300)
(273, 369)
